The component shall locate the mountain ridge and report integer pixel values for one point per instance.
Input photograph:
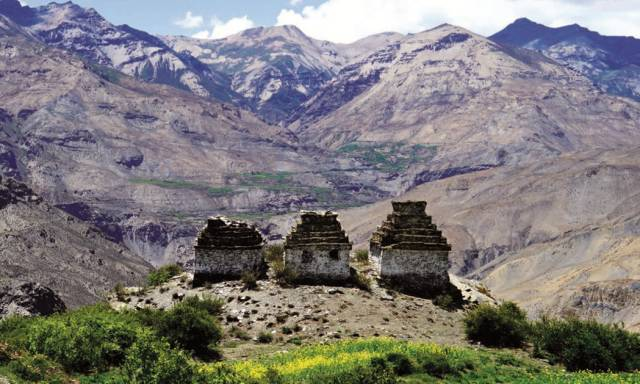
(611, 62)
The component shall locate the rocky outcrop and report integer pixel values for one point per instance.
(227, 249)
(409, 252)
(29, 299)
(317, 248)
(43, 245)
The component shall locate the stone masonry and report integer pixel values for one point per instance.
(225, 250)
(409, 252)
(317, 248)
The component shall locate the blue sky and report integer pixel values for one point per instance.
(347, 20)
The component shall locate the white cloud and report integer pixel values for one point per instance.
(22, 2)
(294, 3)
(190, 21)
(348, 20)
(225, 28)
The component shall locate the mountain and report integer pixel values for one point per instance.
(86, 33)
(139, 159)
(276, 68)
(558, 236)
(42, 244)
(611, 62)
(476, 103)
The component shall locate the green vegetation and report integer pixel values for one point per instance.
(362, 281)
(362, 256)
(265, 337)
(212, 191)
(190, 325)
(163, 274)
(273, 253)
(503, 326)
(130, 347)
(586, 345)
(146, 346)
(284, 275)
(250, 280)
(385, 361)
(577, 344)
(389, 157)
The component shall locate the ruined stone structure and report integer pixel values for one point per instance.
(409, 252)
(317, 249)
(225, 250)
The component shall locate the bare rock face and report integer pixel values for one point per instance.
(226, 250)
(276, 68)
(29, 299)
(43, 245)
(478, 103)
(317, 248)
(410, 252)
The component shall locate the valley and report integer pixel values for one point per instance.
(524, 144)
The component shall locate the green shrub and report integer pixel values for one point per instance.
(400, 363)
(503, 326)
(120, 292)
(93, 338)
(436, 365)
(239, 333)
(362, 256)
(32, 367)
(5, 353)
(249, 280)
(153, 361)
(265, 338)
(586, 345)
(211, 305)
(190, 325)
(362, 281)
(284, 275)
(273, 253)
(163, 274)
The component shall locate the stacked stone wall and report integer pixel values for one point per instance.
(317, 249)
(409, 252)
(226, 250)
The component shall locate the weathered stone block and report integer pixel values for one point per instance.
(409, 252)
(317, 249)
(226, 250)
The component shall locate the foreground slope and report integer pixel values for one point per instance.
(44, 245)
(480, 104)
(558, 236)
(611, 62)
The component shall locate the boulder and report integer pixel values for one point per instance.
(29, 299)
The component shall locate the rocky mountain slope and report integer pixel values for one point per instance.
(558, 236)
(276, 68)
(86, 33)
(135, 158)
(478, 104)
(611, 62)
(42, 244)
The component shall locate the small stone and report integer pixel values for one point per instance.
(242, 299)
